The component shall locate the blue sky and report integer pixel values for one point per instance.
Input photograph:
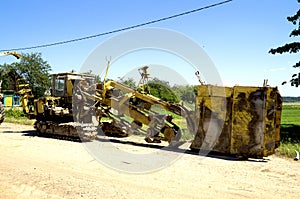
(237, 36)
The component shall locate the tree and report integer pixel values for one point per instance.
(9, 77)
(90, 72)
(158, 88)
(293, 47)
(162, 90)
(186, 93)
(128, 82)
(33, 69)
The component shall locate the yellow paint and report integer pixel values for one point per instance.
(8, 101)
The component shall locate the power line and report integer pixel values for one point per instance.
(119, 30)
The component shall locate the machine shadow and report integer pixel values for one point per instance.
(175, 149)
(34, 133)
(30, 133)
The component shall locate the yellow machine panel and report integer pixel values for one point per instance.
(241, 120)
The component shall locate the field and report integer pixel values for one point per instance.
(290, 129)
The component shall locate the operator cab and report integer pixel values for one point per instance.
(62, 83)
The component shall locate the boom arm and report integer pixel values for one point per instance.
(126, 111)
(15, 54)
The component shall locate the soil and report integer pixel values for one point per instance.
(44, 167)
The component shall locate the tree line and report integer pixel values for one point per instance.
(163, 90)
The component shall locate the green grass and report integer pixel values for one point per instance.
(291, 113)
(19, 120)
(290, 129)
(16, 115)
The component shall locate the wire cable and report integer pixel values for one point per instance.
(119, 30)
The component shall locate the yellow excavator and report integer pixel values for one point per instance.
(77, 105)
(242, 121)
(239, 120)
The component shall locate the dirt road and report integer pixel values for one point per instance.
(39, 167)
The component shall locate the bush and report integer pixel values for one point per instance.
(15, 113)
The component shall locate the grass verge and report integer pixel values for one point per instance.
(16, 115)
(290, 130)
